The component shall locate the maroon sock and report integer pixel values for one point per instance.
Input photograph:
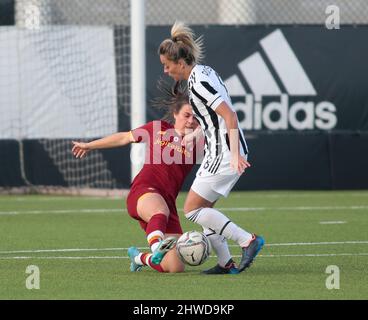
(146, 260)
(156, 228)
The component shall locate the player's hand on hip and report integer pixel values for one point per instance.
(239, 164)
(79, 149)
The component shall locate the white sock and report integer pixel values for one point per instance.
(211, 218)
(219, 245)
(137, 259)
(154, 239)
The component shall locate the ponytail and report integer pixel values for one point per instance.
(182, 45)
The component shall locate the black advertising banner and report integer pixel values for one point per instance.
(301, 95)
(300, 78)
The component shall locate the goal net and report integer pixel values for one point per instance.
(64, 75)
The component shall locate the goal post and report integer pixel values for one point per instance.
(66, 74)
(138, 79)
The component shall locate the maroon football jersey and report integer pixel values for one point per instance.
(167, 162)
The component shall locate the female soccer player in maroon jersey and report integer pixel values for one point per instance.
(154, 190)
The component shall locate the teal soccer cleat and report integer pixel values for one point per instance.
(165, 245)
(132, 253)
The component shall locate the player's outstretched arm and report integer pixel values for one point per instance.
(80, 149)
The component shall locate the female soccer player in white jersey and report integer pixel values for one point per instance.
(226, 150)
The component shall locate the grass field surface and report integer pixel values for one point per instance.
(79, 246)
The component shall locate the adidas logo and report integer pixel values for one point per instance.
(277, 73)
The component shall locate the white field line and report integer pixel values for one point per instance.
(62, 211)
(299, 208)
(52, 199)
(62, 257)
(235, 209)
(235, 256)
(316, 243)
(293, 194)
(332, 222)
(146, 248)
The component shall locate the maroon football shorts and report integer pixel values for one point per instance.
(173, 223)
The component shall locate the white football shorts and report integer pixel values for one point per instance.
(213, 187)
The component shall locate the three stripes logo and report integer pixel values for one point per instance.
(269, 100)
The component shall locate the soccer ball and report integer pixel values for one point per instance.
(193, 248)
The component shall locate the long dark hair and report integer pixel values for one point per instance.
(172, 99)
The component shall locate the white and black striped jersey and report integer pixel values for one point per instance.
(206, 92)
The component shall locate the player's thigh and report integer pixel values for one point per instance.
(150, 204)
(194, 201)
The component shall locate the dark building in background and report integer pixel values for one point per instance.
(7, 9)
